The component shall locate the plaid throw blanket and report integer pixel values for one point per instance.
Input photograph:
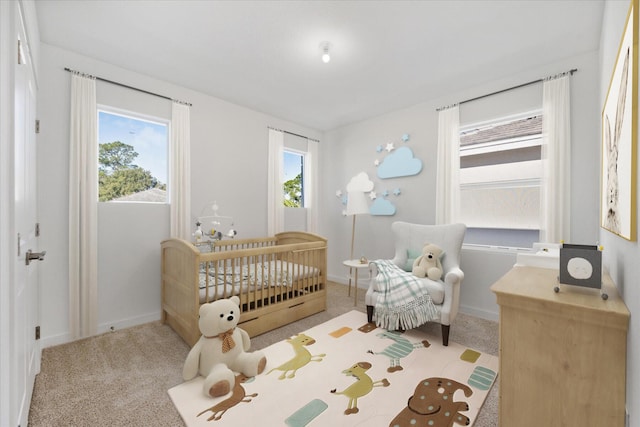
(403, 302)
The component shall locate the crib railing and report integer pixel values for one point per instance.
(263, 273)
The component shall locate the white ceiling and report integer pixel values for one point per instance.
(265, 55)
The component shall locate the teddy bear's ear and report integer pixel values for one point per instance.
(435, 249)
(203, 307)
(235, 299)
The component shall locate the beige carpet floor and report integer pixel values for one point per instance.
(121, 378)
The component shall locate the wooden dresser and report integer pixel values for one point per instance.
(562, 355)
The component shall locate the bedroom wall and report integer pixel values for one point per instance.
(229, 152)
(351, 149)
(620, 256)
(223, 133)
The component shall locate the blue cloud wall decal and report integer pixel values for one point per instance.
(382, 206)
(399, 163)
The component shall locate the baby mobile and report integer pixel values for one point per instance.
(212, 223)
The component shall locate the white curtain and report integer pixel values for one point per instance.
(83, 208)
(275, 180)
(448, 166)
(180, 171)
(311, 185)
(556, 160)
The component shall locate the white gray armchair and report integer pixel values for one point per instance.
(445, 293)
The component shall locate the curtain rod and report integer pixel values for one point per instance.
(570, 72)
(126, 86)
(294, 134)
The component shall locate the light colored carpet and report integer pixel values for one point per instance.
(346, 372)
(121, 378)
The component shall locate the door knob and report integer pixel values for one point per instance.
(33, 256)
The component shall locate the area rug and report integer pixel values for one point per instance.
(347, 372)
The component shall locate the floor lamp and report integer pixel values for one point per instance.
(356, 205)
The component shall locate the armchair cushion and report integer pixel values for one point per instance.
(412, 254)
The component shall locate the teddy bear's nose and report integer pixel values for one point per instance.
(430, 256)
(230, 317)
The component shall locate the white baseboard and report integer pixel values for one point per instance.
(477, 312)
(127, 323)
(343, 280)
(54, 340)
(338, 279)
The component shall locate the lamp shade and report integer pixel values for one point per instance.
(357, 203)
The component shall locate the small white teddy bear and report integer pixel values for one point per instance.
(428, 264)
(222, 349)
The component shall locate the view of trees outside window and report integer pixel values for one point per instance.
(293, 182)
(132, 159)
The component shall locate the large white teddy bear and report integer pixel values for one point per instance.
(428, 264)
(222, 349)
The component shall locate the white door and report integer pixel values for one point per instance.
(25, 347)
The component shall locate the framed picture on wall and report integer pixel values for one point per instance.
(619, 137)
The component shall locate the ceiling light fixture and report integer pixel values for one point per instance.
(324, 46)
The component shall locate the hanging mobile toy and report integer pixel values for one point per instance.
(198, 234)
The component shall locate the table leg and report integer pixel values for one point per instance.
(349, 289)
(355, 290)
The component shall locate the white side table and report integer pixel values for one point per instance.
(354, 264)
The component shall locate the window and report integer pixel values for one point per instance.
(132, 157)
(293, 186)
(500, 179)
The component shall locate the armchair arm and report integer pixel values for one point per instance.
(373, 282)
(452, 280)
(454, 276)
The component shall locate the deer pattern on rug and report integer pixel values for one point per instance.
(301, 359)
(238, 395)
(363, 385)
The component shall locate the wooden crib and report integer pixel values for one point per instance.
(278, 279)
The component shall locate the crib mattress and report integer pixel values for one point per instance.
(229, 281)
